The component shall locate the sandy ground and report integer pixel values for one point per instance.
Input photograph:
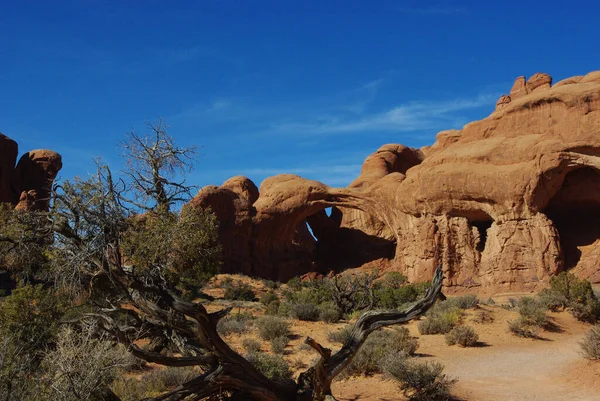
(504, 367)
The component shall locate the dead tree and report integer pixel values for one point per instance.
(88, 221)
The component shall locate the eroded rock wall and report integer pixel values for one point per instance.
(493, 203)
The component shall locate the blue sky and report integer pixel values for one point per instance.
(267, 87)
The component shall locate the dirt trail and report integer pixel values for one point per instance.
(510, 369)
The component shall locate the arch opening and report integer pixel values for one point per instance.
(575, 212)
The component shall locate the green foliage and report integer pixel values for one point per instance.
(532, 318)
(307, 312)
(270, 327)
(341, 335)
(464, 336)
(378, 346)
(590, 345)
(295, 283)
(441, 318)
(329, 312)
(238, 291)
(420, 381)
(394, 280)
(272, 366)
(532, 311)
(183, 246)
(392, 298)
(23, 246)
(30, 315)
(567, 291)
(465, 301)
(269, 298)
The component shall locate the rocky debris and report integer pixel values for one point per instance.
(494, 203)
(28, 185)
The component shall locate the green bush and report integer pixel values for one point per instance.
(307, 312)
(269, 298)
(440, 319)
(394, 280)
(329, 312)
(270, 327)
(380, 345)
(392, 298)
(238, 291)
(464, 336)
(532, 312)
(590, 345)
(465, 301)
(295, 283)
(272, 366)
(577, 295)
(420, 381)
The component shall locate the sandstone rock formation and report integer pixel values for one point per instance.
(502, 204)
(28, 185)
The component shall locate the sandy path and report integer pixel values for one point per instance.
(520, 369)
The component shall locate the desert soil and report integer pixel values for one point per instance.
(504, 367)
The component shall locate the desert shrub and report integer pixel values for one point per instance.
(151, 383)
(272, 285)
(329, 312)
(270, 327)
(464, 301)
(440, 319)
(380, 345)
(272, 366)
(278, 344)
(394, 280)
(272, 308)
(237, 323)
(238, 291)
(420, 381)
(251, 345)
(295, 283)
(341, 335)
(304, 311)
(422, 288)
(269, 298)
(483, 317)
(590, 345)
(522, 328)
(392, 298)
(532, 312)
(464, 336)
(568, 291)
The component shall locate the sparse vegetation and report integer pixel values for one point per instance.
(236, 290)
(590, 345)
(420, 381)
(341, 335)
(483, 317)
(532, 318)
(441, 318)
(270, 327)
(251, 345)
(465, 336)
(569, 292)
(278, 344)
(272, 366)
(380, 345)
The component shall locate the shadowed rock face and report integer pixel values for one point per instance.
(28, 185)
(502, 204)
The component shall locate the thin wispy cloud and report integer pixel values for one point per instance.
(412, 116)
